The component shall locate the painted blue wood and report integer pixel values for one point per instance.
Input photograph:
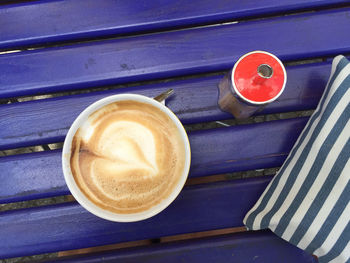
(69, 226)
(49, 21)
(247, 247)
(195, 100)
(224, 150)
(30, 176)
(172, 53)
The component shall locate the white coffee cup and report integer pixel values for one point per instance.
(77, 193)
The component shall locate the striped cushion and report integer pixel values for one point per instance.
(307, 202)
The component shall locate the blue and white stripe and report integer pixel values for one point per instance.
(308, 201)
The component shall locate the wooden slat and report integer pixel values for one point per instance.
(48, 21)
(216, 151)
(195, 100)
(172, 53)
(31, 176)
(69, 226)
(258, 246)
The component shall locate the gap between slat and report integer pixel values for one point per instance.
(165, 239)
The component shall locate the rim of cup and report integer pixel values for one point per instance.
(89, 205)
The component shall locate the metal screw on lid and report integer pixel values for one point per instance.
(265, 71)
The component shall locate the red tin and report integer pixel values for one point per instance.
(257, 78)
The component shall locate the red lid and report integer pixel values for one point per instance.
(259, 77)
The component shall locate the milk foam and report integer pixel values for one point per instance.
(127, 157)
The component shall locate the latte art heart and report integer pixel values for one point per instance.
(128, 143)
(128, 157)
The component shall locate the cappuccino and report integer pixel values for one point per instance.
(127, 157)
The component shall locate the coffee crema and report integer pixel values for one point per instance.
(127, 157)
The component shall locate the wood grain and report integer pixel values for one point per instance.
(194, 100)
(168, 54)
(51, 21)
(70, 226)
(216, 151)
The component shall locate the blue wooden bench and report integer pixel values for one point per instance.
(100, 48)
